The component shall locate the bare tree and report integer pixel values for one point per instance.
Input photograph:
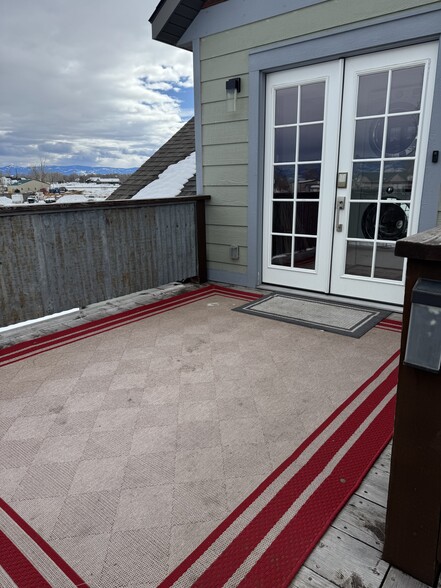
(39, 172)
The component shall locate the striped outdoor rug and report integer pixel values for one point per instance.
(265, 540)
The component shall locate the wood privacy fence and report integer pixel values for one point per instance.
(62, 256)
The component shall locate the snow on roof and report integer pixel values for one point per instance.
(71, 199)
(23, 181)
(4, 201)
(171, 181)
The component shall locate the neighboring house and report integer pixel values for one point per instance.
(28, 186)
(177, 149)
(325, 152)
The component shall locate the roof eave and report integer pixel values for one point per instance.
(172, 18)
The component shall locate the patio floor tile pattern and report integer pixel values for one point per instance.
(159, 428)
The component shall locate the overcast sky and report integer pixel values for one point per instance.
(83, 83)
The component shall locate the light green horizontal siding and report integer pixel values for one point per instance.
(221, 254)
(226, 154)
(229, 216)
(225, 133)
(219, 235)
(227, 195)
(227, 267)
(219, 67)
(226, 175)
(216, 112)
(313, 19)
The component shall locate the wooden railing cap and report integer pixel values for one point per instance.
(425, 246)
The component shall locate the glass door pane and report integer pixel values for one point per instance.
(386, 136)
(297, 164)
(302, 126)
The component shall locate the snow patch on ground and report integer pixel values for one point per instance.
(171, 181)
(71, 199)
(84, 193)
(37, 320)
(98, 191)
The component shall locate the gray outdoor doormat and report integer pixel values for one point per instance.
(344, 319)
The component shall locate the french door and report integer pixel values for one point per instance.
(345, 152)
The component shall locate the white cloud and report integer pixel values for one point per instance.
(85, 83)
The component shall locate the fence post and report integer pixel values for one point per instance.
(201, 241)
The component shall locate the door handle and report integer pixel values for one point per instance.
(340, 205)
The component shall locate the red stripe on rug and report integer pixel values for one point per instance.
(43, 545)
(392, 321)
(18, 567)
(200, 550)
(390, 325)
(60, 338)
(391, 328)
(239, 549)
(281, 562)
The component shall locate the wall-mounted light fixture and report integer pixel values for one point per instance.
(233, 88)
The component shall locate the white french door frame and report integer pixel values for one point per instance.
(376, 288)
(329, 276)
(318, 278)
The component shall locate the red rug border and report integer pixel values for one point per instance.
(390, 325)
(19, 569)
(43, 545)
(387, 413)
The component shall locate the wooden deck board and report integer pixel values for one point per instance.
(363, 520)
(346, 561)
(374, 486)
(349, 554)
(383, 462)
(308, 579)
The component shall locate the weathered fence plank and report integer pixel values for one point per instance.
(58, 257)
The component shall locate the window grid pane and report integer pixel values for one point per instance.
(386, 131)
(297, 168)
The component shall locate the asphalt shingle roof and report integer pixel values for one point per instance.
(180, 146)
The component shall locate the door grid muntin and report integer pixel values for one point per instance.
(376, 222)
(296, 175)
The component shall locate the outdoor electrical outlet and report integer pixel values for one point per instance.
(234, 251)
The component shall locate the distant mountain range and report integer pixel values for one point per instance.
(67, 170)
